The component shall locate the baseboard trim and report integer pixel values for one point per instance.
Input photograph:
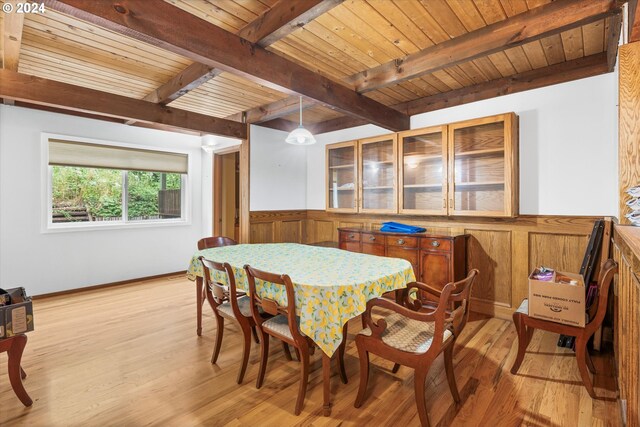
(107, 285)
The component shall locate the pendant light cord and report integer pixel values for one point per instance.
(300, 111)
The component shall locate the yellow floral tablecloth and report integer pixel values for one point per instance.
(331, 285)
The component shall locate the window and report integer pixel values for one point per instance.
(96, 185)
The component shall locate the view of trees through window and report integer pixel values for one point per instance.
(82, 194)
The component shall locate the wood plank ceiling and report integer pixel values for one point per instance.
(348, 42)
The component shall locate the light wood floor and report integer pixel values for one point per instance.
(129, 356)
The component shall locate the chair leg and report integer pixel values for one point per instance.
(264, 355)
(341, 349)
(255, 335)
(581, 357)
(523, 340)
(23, 374)
(396, 368)
(287, 352)
(298, 353)
(219, 333)
(419, 385)
(451, 378)
(304, 379)
(363, 355)
(245, 352)
(590, 365)
(15, 369)
(529, 334)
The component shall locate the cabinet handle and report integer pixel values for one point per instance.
(351, 236)
(400, 241)
(372, 238)
(435, 243)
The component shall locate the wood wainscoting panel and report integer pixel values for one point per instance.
(292, 231)
(324, 231)
(490, 252)
(344, 224)
(626, 252)
(504, 249)
(563, 252)
(262, 232)
(629, 125)
(278, 226)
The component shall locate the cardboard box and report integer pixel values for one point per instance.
(558, 302)
(16, 318)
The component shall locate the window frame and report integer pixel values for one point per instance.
(47, 225)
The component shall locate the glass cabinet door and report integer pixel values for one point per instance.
(423, 171)
(481, 162)
(342, 182)
(378, 175)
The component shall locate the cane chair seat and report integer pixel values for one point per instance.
(279, 325)
(244, 304)
(412, 336)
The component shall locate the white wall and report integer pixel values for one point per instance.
(52, 262)
(568, 146)
(278, 171)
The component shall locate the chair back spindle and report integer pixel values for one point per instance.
(219, 291)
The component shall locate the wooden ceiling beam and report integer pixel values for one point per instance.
(551, 18)
(182, 83)
(271, 111)
(167, 27)
(338, 123)
(12, 24)
(589, 66)
(553, 74)
(11, 33)
(68, 112)
(274, 24)
(36, 90)
(279, 124)
(283, 18)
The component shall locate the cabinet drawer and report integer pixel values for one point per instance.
(372, 238)
(372, 248)
(402, 241)
(429, 243)
(350, 246)
(410, 255)
(349, 236)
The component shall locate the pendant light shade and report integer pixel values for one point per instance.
(300, 136)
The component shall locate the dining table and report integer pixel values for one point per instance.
(331, 285)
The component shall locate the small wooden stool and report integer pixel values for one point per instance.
(14, 346)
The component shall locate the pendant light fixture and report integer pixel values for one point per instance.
(300, 136)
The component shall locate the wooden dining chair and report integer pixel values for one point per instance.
(227, 302)
(207, 243)
(215, 242)
(412, 336)
(525, 326)
(284, 325)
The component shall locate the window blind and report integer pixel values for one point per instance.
(74, 153)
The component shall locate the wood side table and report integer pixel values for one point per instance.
(14, 346)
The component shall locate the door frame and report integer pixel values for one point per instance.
(243, 191)
(217, 188)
